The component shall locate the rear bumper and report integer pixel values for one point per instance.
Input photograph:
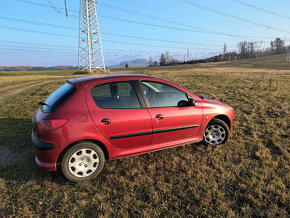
(41, 146)
(45, 154)
(45, 166)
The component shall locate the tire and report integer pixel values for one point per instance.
(84, 161)
(217, 132)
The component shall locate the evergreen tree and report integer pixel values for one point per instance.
(279, 45)
(162, 60)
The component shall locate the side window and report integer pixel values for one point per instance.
(162, 95)
(117, 95)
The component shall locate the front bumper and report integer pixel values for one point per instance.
(45, 154)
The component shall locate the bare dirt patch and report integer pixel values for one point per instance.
(16, 89)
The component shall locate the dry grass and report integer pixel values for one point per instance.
(248, 176)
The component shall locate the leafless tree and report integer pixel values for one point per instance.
(150, 62)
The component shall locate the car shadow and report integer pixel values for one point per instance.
(17, 156)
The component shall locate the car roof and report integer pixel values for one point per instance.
(106, 76)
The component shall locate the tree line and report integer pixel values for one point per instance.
(246, 50)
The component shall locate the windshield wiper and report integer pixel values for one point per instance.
(43, 103)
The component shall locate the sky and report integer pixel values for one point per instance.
(38, 33)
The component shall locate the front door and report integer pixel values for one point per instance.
(172, 120)
(117, 113)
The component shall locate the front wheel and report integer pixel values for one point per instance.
(83, 161)
(217, 132)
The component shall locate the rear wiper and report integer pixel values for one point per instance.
(201, 97)
(43, 103)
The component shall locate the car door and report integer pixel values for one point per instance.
(172, 118)
(119, 114)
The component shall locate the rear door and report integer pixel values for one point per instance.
(171, 120)
(119, 114)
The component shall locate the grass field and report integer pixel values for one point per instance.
(248, 176)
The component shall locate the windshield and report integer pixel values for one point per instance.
(58, 97)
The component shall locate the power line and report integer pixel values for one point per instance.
(200, 30)
(161, 26)
(165, 20)
(207, 31)
(59, 50)
(34, 50)
(38, 48)
(261, 9)
(111, 41)
(183, 29)
(138, 13)
(106, 33)
(29, 43)
(171, 12)
(35, 31)
(113, 62)
(38, 23)
(136, 22)
(55, 8)
(118, 19)
(72, 28)
(232, 16)
(44, 5)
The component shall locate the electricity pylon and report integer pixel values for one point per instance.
(90, 46)
(288, 54)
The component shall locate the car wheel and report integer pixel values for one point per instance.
(83, 161)
(217, 132)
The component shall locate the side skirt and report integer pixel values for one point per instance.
(156, 147)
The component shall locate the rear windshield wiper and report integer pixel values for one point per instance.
(43, 103)
(201, 97)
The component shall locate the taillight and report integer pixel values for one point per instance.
(49, 125)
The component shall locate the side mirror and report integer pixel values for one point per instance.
(192, 102)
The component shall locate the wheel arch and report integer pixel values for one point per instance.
(224, 118)
(102, 146)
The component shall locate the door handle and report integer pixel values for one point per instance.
(159, 116)
(106, 121)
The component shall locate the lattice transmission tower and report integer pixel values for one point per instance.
(288, 54)
(91, 55)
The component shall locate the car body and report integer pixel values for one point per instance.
(124, 115)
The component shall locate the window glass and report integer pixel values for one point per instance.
(58, 97)
(115, 95)
(162, 95)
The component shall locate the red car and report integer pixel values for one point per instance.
(92, 119)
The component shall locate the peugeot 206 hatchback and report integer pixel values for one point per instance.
(92, 119)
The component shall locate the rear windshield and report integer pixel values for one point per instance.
(58, 97)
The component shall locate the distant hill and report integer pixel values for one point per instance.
(33, 68)
(141, 62)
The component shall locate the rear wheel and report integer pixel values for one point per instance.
(217, 132)
(83, 161)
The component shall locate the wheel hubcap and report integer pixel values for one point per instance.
(214, 134)
(83, 162)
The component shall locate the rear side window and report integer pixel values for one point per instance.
(58, 97)
(117, 95)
